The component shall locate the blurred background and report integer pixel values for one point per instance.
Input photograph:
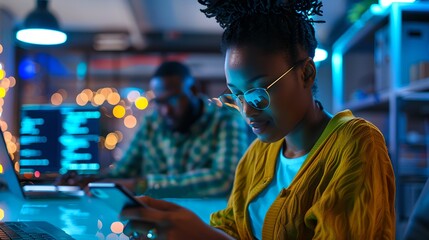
(112, 48)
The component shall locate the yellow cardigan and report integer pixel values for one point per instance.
(345, 189)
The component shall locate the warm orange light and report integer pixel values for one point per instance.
(56, 99)
(117, 227)
(5, 83)
(7, 136)
(82, 99)
(3, 126)
(130, 121)
(111, 139)
(1, 169)
(119, 111)
(99, 99)
(105, 92)
(16, 166)
(113, 98)
(11, 147)
(108, 146)
(88, 92)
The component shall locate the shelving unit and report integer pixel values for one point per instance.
(376, 74)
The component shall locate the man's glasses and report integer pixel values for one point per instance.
(257, 98)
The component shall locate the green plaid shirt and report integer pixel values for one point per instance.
(200, 163)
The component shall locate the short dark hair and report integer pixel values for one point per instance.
(173, 68)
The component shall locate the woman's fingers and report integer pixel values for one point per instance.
(142, 213)
(142, 230)
(158, 204)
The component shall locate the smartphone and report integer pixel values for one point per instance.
(114, 195)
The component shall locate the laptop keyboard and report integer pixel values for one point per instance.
(39, 230)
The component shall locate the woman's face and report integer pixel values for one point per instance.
(290, 97)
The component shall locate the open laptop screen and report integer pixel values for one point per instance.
(55, 139)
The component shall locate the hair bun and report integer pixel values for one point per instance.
(228, 11)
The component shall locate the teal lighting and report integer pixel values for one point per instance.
(320, 55)
(386, 3)
(337, 65)
(376, 9)
(41, 27)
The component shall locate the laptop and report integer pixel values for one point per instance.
(31, 230)
(10, 179)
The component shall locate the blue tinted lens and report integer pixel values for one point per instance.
(257, 98)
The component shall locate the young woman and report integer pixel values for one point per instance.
(309, 175)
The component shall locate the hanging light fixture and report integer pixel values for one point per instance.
(41, 27)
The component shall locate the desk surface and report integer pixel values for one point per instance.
(86, 218)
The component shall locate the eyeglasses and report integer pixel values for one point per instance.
(257, 98)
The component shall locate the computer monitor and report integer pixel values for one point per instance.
(55, 139)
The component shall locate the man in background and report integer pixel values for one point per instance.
(186, 147)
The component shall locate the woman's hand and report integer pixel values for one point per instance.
(167, 221)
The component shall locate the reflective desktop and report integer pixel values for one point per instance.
(86, 217)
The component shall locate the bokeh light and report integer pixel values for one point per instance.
(1, 214)
(105, 92)
(119, 135)
(119, 111)
(56, 99)
(1, 169)
(130, 121)
(2, 74)
(141, 103)
(99, 99)
(12, 81)
(113, 98)
(117, 227)
(133, 95)
(5, 83)
(11, 147)
(63, 93)
(150, 95)
(7, 136)
(82, 99)
(111, 139)
(2, 92)
(88, 92)
(3, 125)
(16, 166)
(99, 224)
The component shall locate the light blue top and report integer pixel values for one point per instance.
(286, 170)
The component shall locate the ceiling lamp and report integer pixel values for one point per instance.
(41, 27)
